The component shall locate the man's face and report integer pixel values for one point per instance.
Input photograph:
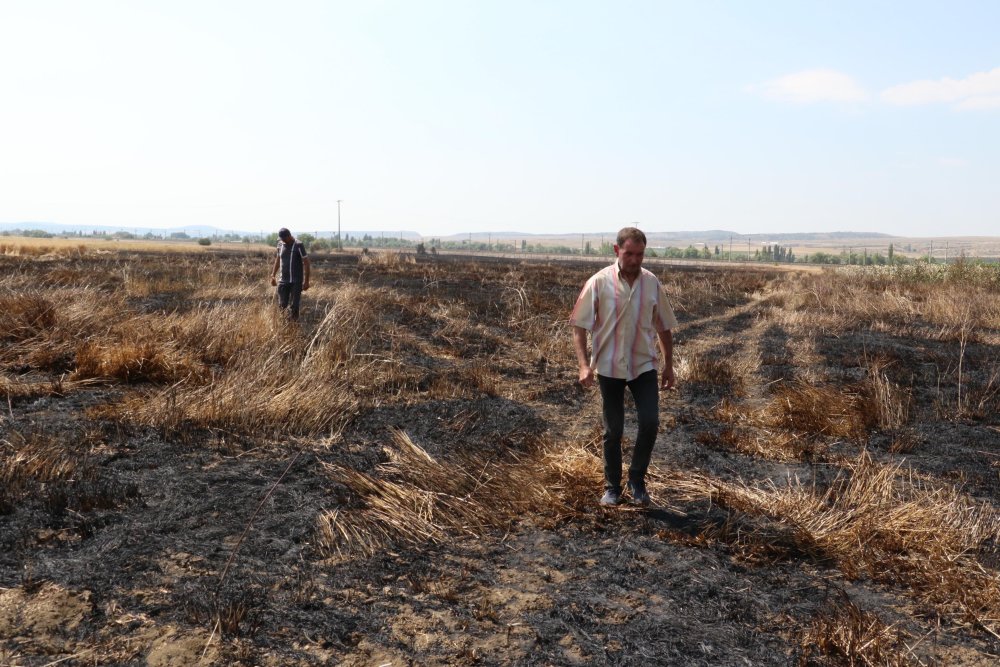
(630, 256)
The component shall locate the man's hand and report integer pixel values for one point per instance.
(274, 283)
(305, 285)
(667, 379)
(580, 347)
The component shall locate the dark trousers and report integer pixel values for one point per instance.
(290, 295)
(646, 393)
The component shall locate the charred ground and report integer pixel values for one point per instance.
(410, 475)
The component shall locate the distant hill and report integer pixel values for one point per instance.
(671, 238)
(59, 228)
(667, 238)
(195, 230)
(722, 235)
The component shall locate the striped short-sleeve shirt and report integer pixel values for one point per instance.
(623, 320)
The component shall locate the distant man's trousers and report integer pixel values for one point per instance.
(289, 296)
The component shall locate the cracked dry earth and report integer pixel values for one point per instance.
(163, 570)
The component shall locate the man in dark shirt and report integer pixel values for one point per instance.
(290, 258)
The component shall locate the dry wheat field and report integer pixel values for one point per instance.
(409, 475)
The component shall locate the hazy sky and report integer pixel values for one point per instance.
(472, 115)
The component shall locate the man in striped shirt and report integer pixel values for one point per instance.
(626, 311)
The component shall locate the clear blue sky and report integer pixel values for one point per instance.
(471, 115)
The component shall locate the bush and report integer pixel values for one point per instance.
(204, 241)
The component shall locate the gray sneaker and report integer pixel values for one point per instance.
(611, 497)
(639, 494)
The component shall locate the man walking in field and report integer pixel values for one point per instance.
(625, 309)
(290, 258)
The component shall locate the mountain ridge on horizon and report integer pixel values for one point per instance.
(713, 235)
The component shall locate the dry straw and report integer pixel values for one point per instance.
(844, 634)
(882, 521)
(416, 499)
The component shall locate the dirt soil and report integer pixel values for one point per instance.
(204, 549)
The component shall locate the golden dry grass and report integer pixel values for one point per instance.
(55, 474)
(75, 247)
(14, 387)
(416, 499)
(844, 634)
(885, 523)
(733, 372)
(386, 259)
(132, 361)
(801, 411)
(945, 303)
(24, 316)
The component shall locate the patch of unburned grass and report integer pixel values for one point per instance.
(845, 634)
(134, 361)
(770, 444)
(386, 259)
(43, 469)
(24, 316)
(14, 387)
(732, 373)
(944, 303)
(836, 411)
(416, 499)
(882, 522)
(271, 394)
(699, 293)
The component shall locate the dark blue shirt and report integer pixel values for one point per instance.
(291, 255)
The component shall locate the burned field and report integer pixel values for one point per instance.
(409, 476)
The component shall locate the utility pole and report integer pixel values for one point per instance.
(748, 247)
(340, 243)
(730, 247)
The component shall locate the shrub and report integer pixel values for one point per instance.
(204, 241)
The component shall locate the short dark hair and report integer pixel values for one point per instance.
(630, 234)
(284, 233)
